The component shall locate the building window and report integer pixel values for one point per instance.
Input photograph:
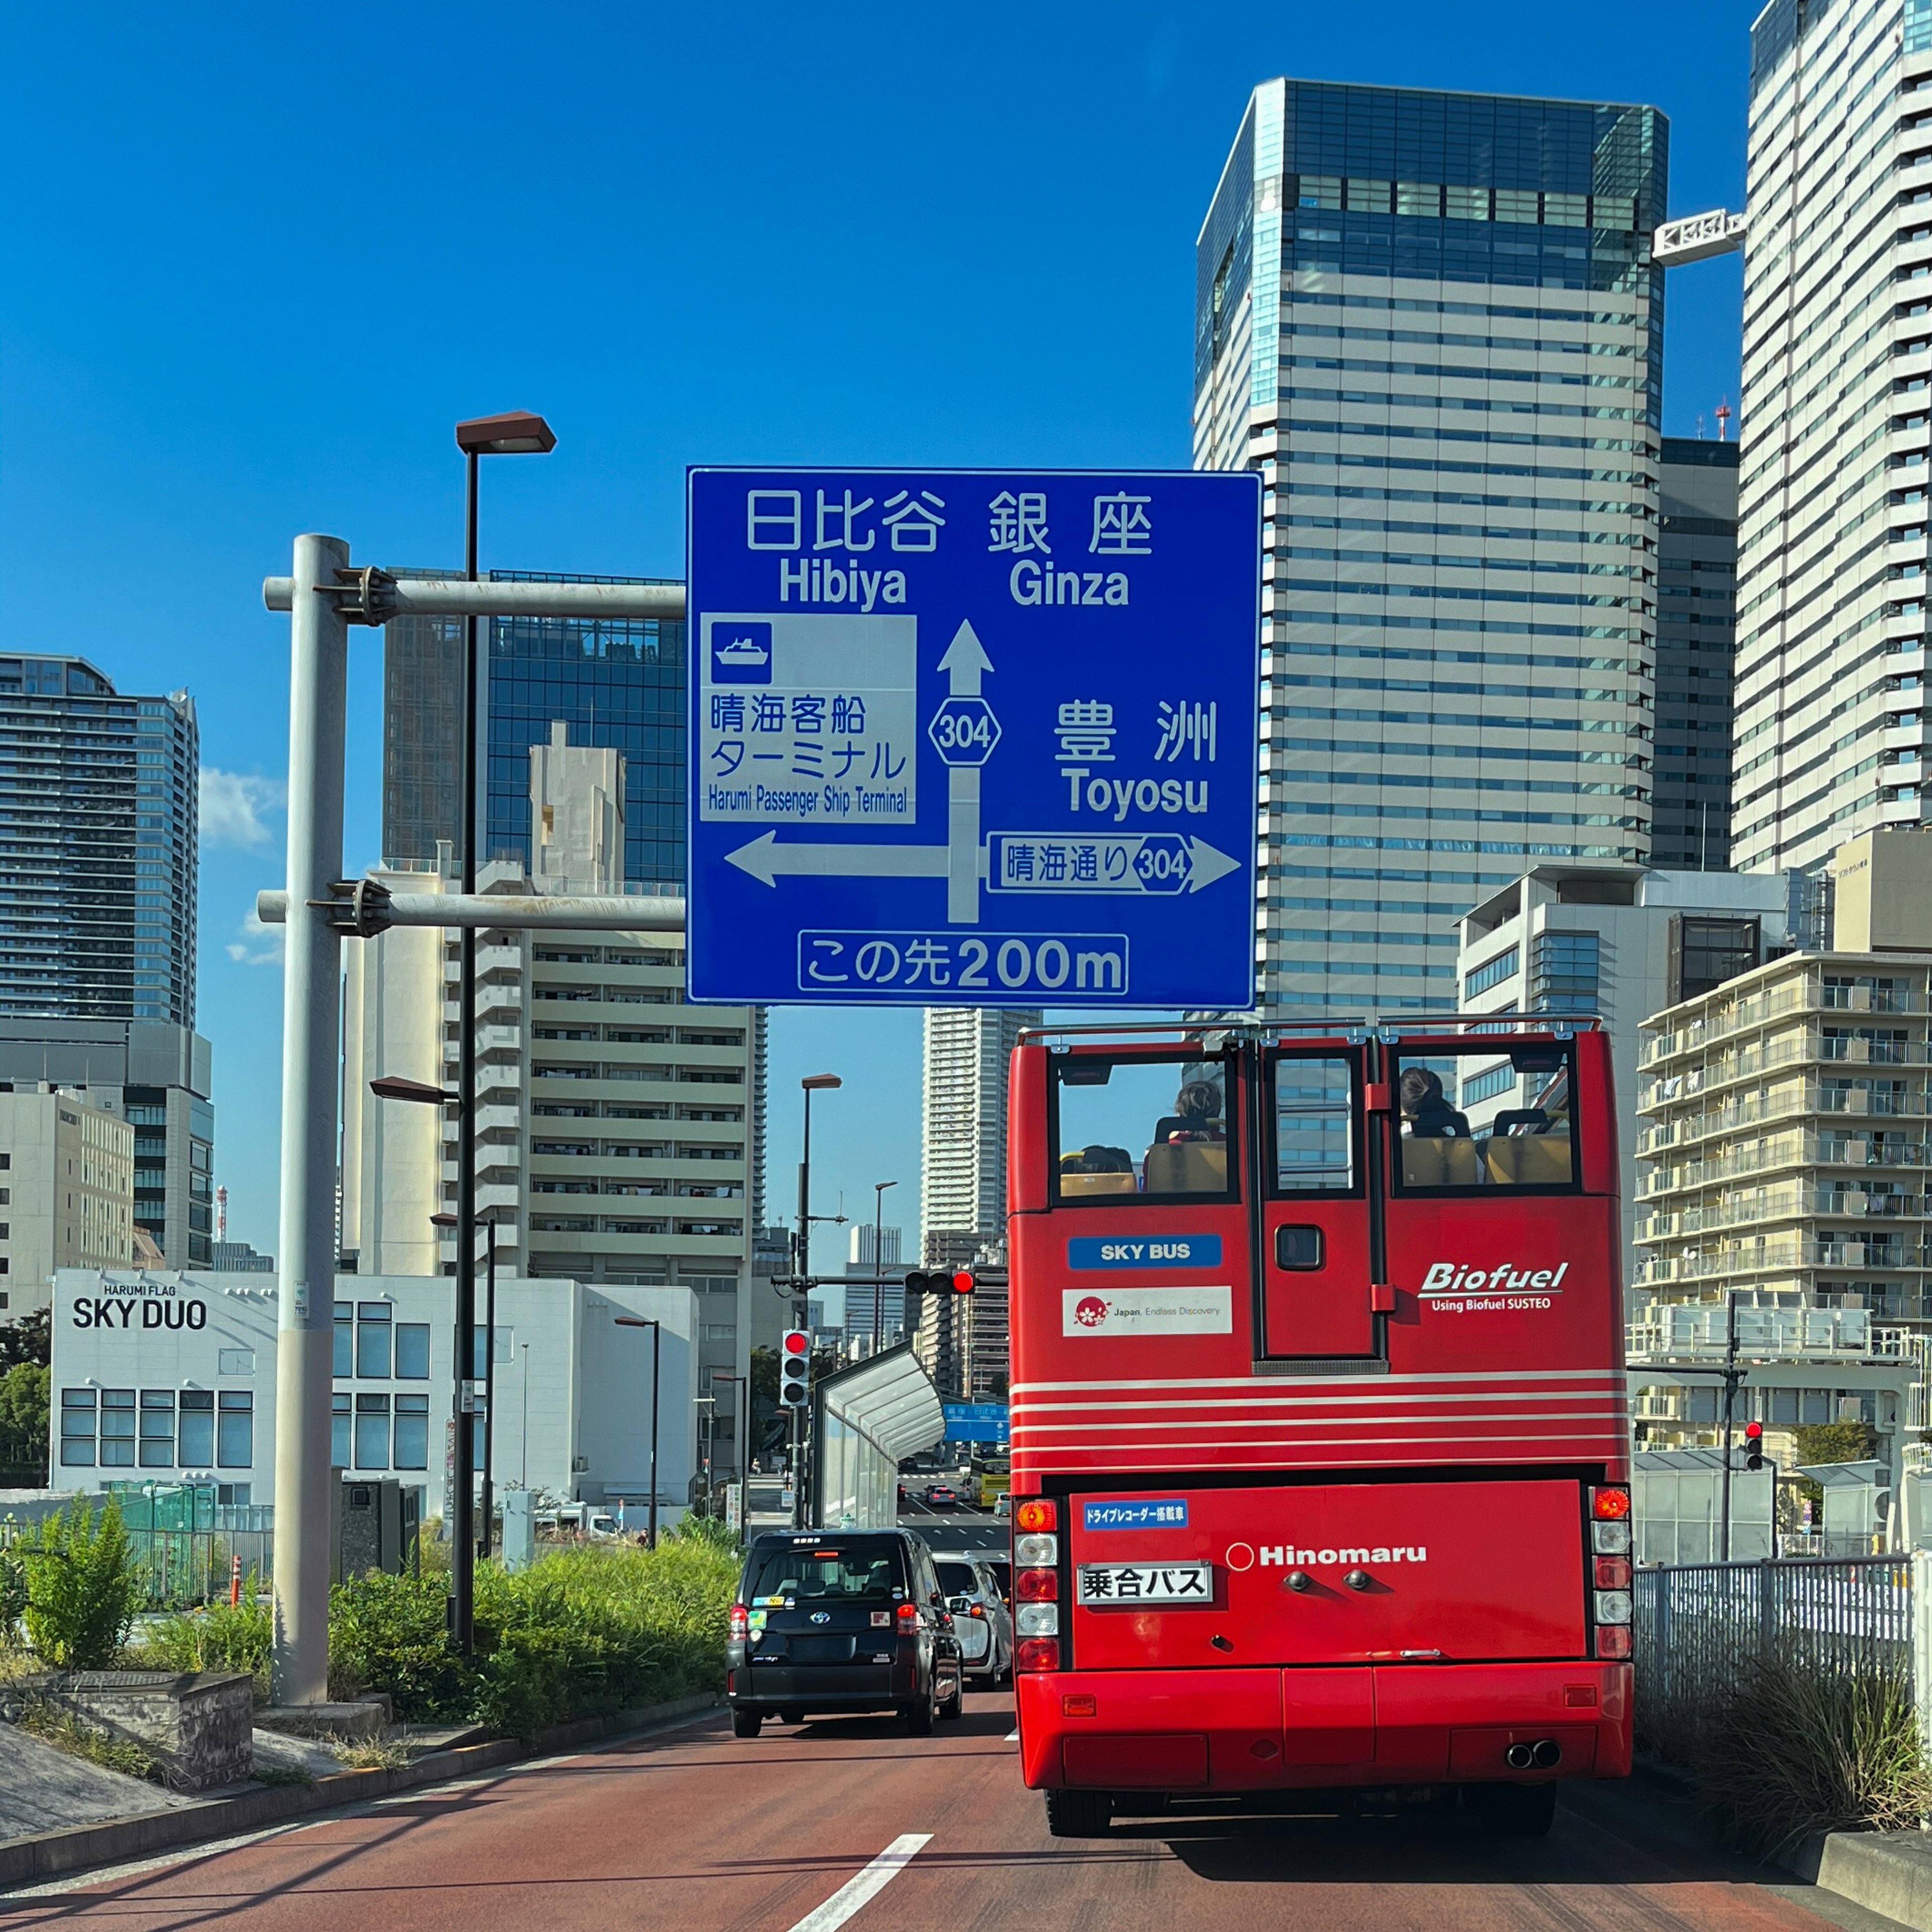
(77, 1413)
(235, 1439)
(196, 1449)
(338, 1432)
(1487, 1085)
(372, 1432)
(374, 1328)
(235, 1362)
(1491, 973)
(158, 1429)
(413, 1432)
(412, 1351)
(1563, 973)
(1715, 950)
(117, 1429)
(345, 1341)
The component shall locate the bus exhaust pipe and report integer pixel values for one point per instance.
(1547, 1755)
(1520, 1757)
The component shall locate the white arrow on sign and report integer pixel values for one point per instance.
(965, 664)
(765, 859)
(1206, 864)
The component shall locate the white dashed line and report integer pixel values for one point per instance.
(864, 1886)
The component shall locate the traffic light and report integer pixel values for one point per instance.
(795, 1369)
(960, 1281)
(1754, 1445)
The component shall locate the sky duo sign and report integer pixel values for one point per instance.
(974, 738)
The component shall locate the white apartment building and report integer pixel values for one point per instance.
(66, 1192)
(1622, 942)
(616, 1122)
(963, 1203)
(1430, 321)
(1838, 358)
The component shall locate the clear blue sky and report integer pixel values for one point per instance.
(259, 259)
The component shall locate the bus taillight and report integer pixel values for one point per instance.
(1036, 1586)
(1036, 1653)
(1036, 1513)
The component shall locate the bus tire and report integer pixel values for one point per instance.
(1513, 1811)
(1078, 1814)
(744, 1724)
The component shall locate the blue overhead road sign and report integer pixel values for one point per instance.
(974, 738)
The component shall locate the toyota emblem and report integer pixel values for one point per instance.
(821, 1616)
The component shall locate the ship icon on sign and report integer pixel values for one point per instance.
(741, 653)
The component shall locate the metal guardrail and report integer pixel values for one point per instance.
(1700, 1627)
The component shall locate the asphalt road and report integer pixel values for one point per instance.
(806, 1829)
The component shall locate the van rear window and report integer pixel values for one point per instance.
(844, 1572)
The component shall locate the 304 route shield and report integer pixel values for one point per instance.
(974, 738)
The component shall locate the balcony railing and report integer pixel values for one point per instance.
(1809, 993)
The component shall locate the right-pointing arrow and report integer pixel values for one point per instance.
(1206, 864)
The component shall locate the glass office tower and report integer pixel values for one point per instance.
(99, 831)
(1430, 322)
(616, 684)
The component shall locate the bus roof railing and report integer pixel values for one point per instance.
(1387, 1028)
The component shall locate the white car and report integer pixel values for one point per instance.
(1002, 1506)
(980, 1618)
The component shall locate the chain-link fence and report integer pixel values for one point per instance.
(1701, 1628)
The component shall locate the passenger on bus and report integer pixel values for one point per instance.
(1196, 1115)
(1426, 1115)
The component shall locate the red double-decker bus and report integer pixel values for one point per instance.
(1319, 1427)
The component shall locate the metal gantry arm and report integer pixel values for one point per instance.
(360, 908)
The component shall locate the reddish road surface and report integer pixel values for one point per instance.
(693, 1830)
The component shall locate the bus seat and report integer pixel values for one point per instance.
(1188, 1167)
(1430, 1161)
(1529, 1160)
(1071, 1185)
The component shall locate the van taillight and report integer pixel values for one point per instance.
(908, 1613)
(740, 1623)
(1036, 1653)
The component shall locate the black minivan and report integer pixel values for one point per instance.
(843, 1620)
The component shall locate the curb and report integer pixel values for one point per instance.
(1889, 1873)
(51, 1854)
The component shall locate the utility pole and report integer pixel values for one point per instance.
(311, 1015)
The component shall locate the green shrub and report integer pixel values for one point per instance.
(13, 1596)
(1796, 1750)
(223, 1637)
(392, 1633)
(84, 1586)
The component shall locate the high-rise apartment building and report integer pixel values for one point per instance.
(66, 1192)
(617, 684)
(1431, 322)
(963, 1205)
(874, 1284)
(97, 846)
(614, 1121)
(1837, 355)
(1697, 644)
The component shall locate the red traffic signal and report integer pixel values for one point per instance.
(963, 1282)
(1754, 1445)
(795, 1369)
(797, 1342)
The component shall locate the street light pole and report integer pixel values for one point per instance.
(657, 1332)
(878, 1259)
(801, 1273)
(311, 1015)
(486, 436)
(489, 1389)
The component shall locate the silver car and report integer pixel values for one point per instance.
(980, 1618)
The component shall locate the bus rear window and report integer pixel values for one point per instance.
(1482, 1117)
(1146, 1128)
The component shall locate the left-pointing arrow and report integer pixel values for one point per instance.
(765, 859)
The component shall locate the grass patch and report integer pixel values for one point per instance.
(220, 1637)
(282, 1774)
(372, 1754)
(61, 1729)
(1794, 1750)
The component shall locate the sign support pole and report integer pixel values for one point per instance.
(311, 1017)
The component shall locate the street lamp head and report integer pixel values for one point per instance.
(518, 433)
(879, 1186)
(444, 1221)
(813, 1082)
(394, 1087)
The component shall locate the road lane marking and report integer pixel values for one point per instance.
(864, 1886)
